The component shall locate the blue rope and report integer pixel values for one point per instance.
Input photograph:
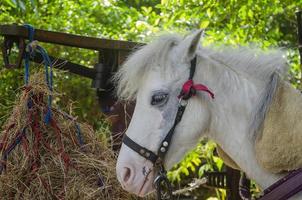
(10, 149)
(49, 80)
(48, 75)
(79, 134)
(26, 61)
(14, 144)
(47, 64)
(31, 32)
(78, 128)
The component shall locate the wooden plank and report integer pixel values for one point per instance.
(68, 66)
(69, 39)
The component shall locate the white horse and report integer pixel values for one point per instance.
(153, 77)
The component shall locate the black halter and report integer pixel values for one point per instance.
(161, 182)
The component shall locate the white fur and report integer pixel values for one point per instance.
(238, 77)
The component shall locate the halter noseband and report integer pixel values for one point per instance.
(161, 182)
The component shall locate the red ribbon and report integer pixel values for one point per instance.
(186, 89)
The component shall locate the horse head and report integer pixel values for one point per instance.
(154, 76)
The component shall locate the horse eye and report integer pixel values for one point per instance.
(159, 99)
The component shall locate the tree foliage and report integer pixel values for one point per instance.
(265, 23)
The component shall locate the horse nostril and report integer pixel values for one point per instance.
(126, 175)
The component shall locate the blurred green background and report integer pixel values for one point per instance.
(264, 23)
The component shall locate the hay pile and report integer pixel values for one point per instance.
(40, 161)
(279, 146)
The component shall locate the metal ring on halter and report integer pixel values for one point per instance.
(163, 187)
(182, 102)
(162, 184)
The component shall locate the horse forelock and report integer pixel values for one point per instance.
(130, 76)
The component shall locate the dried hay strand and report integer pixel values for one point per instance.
(48, 161)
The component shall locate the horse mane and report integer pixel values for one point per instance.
(249, 62)
(263, 107)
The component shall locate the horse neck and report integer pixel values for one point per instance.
(236, 98)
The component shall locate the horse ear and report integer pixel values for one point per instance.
(188, 47)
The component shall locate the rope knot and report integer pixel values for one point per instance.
(31, 48)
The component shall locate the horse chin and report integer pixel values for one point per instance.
(147, 186)
(146, 189)
(142, 185)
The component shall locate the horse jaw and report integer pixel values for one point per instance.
(141, 173)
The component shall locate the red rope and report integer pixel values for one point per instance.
(33, 152)
(64, 155)
(25, 145)
(37, 141)
(3, 142)
(189, 85)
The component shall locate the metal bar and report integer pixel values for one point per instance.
(216, 179)
(285, 188)
(68, 66)
(68, 39)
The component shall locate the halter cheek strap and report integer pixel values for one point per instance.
(189, 89)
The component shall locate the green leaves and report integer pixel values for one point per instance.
(204, 24)
(11, 3)
(268, 23)
(198, 161)
(187, 166)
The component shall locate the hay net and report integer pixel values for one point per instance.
(61, 159)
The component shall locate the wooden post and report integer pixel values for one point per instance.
(233, 178)
(117, 113)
